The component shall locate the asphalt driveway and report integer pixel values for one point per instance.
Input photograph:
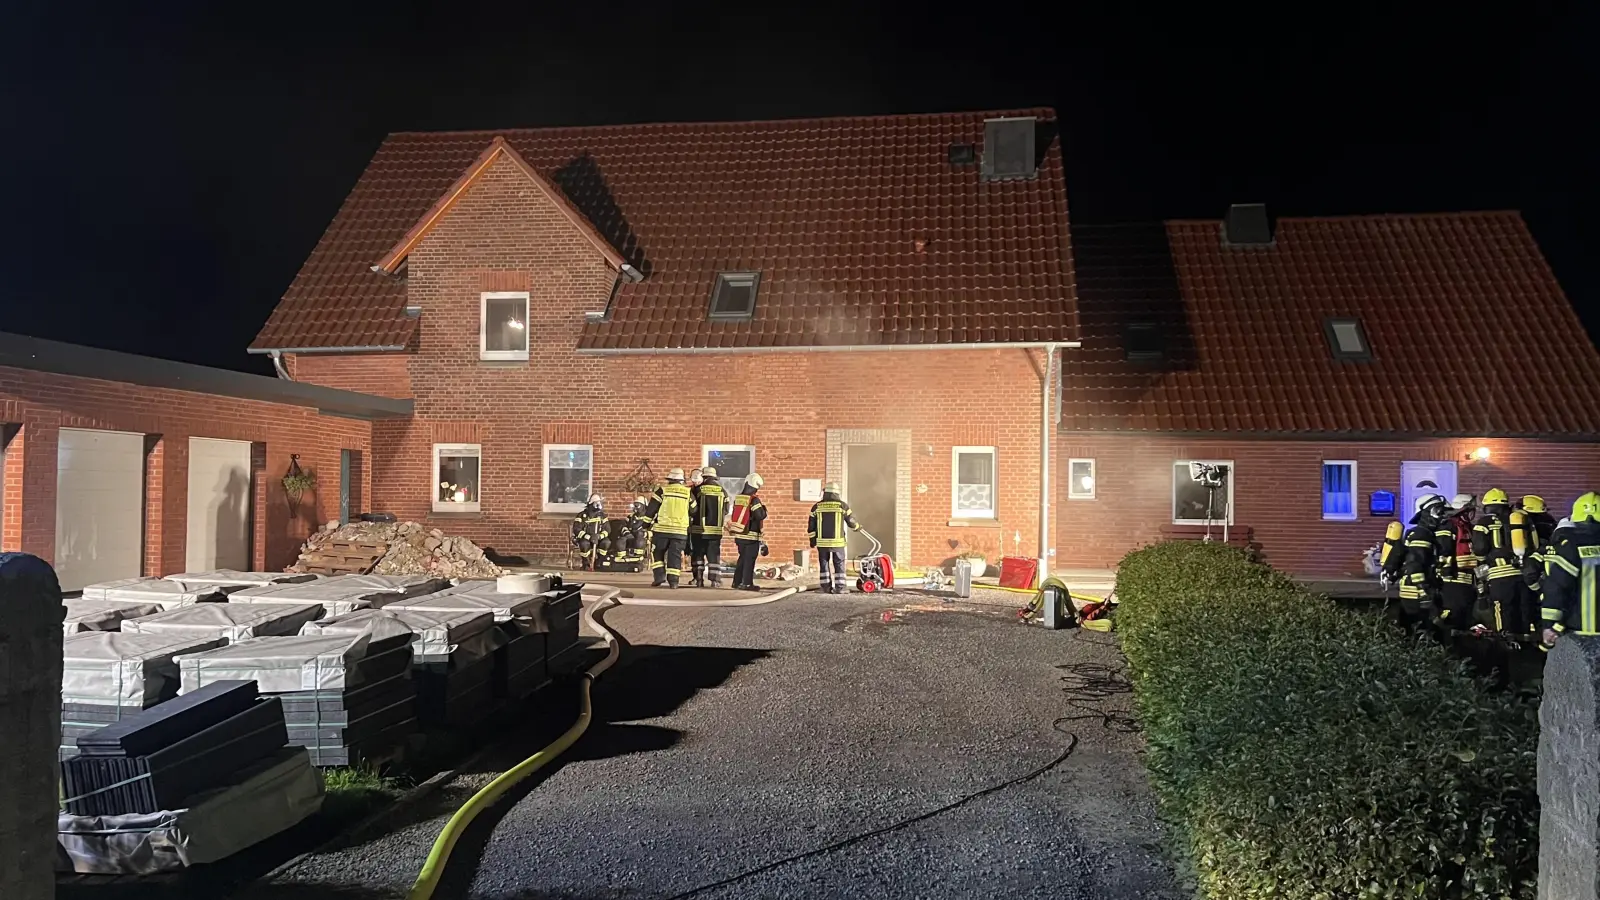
(816, 747)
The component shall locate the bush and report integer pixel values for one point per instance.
(1302, 750)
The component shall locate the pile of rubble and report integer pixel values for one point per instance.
(413, 550)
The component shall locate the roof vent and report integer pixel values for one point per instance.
(413, 311)
(1247, 225)
(963, 154)
(1008, 148)
(1142, 342)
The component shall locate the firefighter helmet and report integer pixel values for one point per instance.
(596, 501)
(754, 480)
(708, 473)
(1428, 505)
(1586, 508)
(1495, 497)
(695, 476)
(831, 487)
(675, 475)
(1462, 501)
(1533, 503)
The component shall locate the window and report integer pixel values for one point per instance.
(1202, 492)
(1339, 490)
(1346, 339)
(734, 295)
(732, 462)
(456, 477)
(568, 477)
(972, 483)
(1080, 479)
(503, 326)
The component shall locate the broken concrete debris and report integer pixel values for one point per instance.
(414, 549)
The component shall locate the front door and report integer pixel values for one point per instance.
(869, 488)
(1418, 479)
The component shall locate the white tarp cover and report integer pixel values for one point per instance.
(268, 798)
(123, 669)
(234, 578)
(437, 634)
(230, 621)
(336, 598)
(166, 593)
(279, 665)
(101, 615)
(475, 595)
(409, 585)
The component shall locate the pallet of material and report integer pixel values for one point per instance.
(564, 607)
(149, 730)
(345, 705)
(299, 663)
(354, 724)
(232, 622)
(521, 665)
(101, 615)
(166, 778)
(233, 578)
(455, 693)
(435, 635)
(335, 598)
(343, 557)
(162, 592)
(116, 669)
(478, 596)
(402, 585)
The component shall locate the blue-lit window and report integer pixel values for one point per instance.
(1339, 490)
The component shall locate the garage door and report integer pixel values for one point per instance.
(219, 505)
(99, 506)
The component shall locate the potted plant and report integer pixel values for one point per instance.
(297, 481)
(977, 560)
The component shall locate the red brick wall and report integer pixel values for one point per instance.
(505, 236)
(379, 374)
(42, 404)
(1278, 490)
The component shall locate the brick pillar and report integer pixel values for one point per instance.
(30, 725)
(258, 507)
(1569, 772)
(41, 442)
(154, 520)
(12, 480)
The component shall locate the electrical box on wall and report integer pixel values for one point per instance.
(808, 490)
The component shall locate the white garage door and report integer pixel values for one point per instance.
(219, 505)
(99, 506)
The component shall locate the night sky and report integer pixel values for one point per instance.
(164, 176)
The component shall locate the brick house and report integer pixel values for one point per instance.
(1332, 365)
(877, 301)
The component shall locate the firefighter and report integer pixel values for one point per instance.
(1539, 530)
(1458, 577)
(830, 516)
(667, 514)
(1411, 559)
(590, 533)
(745, 523)
(1499, 542)
(705, 529)
(1570, 602)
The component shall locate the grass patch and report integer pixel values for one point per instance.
(1303, 751)
(355, 791)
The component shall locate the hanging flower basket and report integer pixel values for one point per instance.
(297, 481)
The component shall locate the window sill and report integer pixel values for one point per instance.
(1078, 498)
(455, 515)
(503, 363)
(1341, 518)
(981, 522)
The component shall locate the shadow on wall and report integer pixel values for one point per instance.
(584, 184)
(233, 541)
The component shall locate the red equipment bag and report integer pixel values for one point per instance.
(1018, 572)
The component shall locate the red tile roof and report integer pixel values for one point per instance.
(863, 232)
(1469, 332)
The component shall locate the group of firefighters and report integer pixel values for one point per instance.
(694, 513)
(1497, 566)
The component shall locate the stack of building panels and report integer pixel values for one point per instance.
(335, 597)
(520, 666)
(157, 759)
(163, 592)
(401, 585)
(555, 620)
(101, 615)
(345, 698)
(232, 578)
(452, 657)
(108, 676)
(231, 622)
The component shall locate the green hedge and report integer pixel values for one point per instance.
(1304, 750)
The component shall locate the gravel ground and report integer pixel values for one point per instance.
(730, 740)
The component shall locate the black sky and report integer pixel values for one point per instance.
(166, 173)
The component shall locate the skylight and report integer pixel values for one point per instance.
(1346, 338)
(734, 295)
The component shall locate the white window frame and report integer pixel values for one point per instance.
(955, 484)
(707, 449)
(439, 452)
(483, 326)
(1074, 492)
(1172, 496)
(544, 478)
(1355, 490)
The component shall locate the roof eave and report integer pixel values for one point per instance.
(816, 348)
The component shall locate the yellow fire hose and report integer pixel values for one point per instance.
(433, 867)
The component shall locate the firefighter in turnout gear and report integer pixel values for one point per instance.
(830, 516)
(667, 514)
(1540, 527)
(1500, 542)
(1411, 560)
(1458, 576)
(1570, 602)
(705, 529)
(745, 523)
(591, 533)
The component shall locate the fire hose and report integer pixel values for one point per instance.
(433, 867)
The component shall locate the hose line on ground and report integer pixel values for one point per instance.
(433, 867)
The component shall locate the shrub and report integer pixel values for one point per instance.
(1303, 750)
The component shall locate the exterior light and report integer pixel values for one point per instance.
(1481, 453)
(515, 325)
(1087, 483)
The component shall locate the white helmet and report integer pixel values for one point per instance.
(831, 487)
(1566, 522)
(754, 480)
(1462, 501)
(708, 473)
(675, 475)
(596, 500)
(1427, 502)
(695, 476)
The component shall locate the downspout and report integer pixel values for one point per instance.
(1045, 383)
(277, 364)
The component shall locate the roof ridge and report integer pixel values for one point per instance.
(799, 120)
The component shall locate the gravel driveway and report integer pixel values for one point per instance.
(731, 746)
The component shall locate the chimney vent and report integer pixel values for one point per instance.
(1008, 148)
(1247, 225)
(963, 154)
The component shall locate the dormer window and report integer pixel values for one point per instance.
(733, 296)
(1347, 339)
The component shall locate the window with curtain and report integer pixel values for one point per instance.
(1339, 490)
